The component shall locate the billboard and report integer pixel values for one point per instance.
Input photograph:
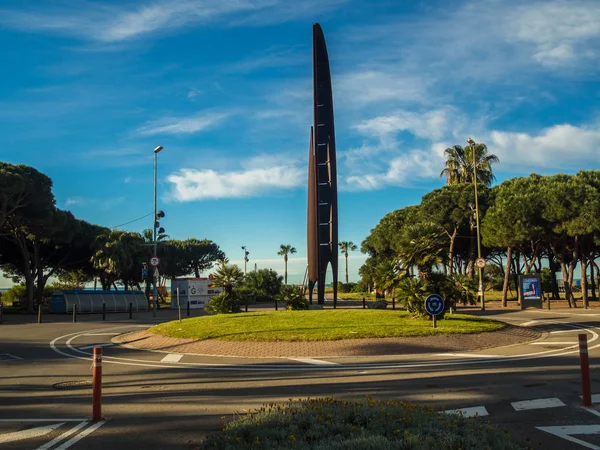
(531, 287)
(196, 291)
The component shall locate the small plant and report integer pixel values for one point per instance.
(224, 303)
(379, 304)
(293, 297)
(329, 424)
(412, 293)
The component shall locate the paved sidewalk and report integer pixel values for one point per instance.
(144, 340)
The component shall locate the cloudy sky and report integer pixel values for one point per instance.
(89, 88)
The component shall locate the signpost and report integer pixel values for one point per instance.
(434, 305)
(480, 263)
(154, 261)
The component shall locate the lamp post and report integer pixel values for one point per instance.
(481, 294)
(154, 251)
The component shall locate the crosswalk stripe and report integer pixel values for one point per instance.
(172, 357)
(539, 403)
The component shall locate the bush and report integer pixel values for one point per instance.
(329, 424)
(412, 292)
(345, 288)
(14, 295)
(378, 304)
(225, 303)
(264, 284)
(293, 297)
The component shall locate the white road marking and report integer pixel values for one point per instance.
(532, 322)
(80, 436)
(565, 331)
(63, 436)
(565, 432)
(553, 343)
(43, 420)
(87, 347)
(9, 357)
(590, 410)
(72, 352)
(595, 398)
(101, 334)
(470, 355)
(316, 362)
(172, 357)
(539, 403)
(27, 434)
(476, 411)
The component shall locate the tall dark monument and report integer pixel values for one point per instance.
(322, 227)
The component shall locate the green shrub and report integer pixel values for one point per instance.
(412, 292)
(14, 294)
(225, 303)
(329, 424)
(293, 298)
(345, 288)
(378, 304)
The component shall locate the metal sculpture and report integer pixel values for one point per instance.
(322, 227)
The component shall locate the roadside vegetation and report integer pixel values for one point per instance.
(330, 424)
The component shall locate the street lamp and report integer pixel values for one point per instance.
(154, 227)
(246, 259)
(481, 294)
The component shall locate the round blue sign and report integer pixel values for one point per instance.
(434, 304)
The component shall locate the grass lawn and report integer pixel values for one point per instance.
(321, 325)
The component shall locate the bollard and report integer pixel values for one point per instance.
(97, 385)
(74, 313)
(334, 302)
(130, 310)
(0, 312)
(548, 300)
(103, 311)
(246, 307)
(188, 308)
(364, 304)
(178, 305)
(394, 303)
(585, 370)
(39, 313)
(276, 305)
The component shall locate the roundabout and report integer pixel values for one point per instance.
(132, 345)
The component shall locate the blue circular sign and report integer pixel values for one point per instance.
(434, 304)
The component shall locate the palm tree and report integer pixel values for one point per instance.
(459, 164)
(347, 246)
(228, 277)
(421, 246)
(285, 250)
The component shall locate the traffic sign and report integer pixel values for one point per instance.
(480, 262)
(154, 261)
(434, 304)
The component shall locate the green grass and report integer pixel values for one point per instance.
(321, 325)
(357, 296)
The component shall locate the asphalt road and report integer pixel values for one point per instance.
(154, 400)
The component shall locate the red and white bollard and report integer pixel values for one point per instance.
(585, 370)
(97, 385)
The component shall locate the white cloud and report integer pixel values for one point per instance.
(109, 24)
(181, 125)
(558, 31)
(358, 88)
(430, 125)
(404, 168)
(559, 147)
(72, 201)
(193, 93)
(191, 184)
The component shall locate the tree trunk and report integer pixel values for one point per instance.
(451, 252)
(285, 260)
(565, 274)
(584, 280)
(593, 282)
(506, 276)
(516, 270)
(346, 267)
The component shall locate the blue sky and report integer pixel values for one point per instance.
(89, 88)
